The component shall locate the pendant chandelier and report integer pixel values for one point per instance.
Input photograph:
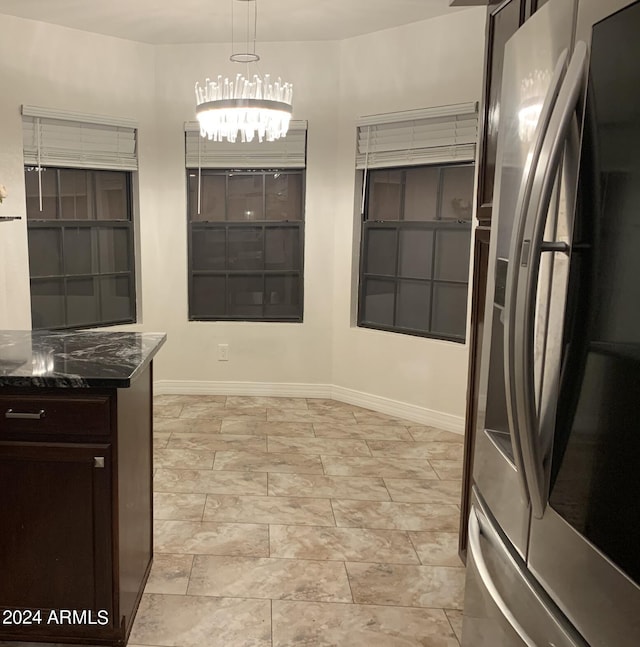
(247, 105)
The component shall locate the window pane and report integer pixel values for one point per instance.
(113, 249)
(208, 297)
(111, 195)
(282, 296)
(380, 252)
(282, 248)
(245, 296)
(385, 195)
(208, 249)
(452, 255)
(212, 197)
(457, 192)
(45, 252)
(82, 302)
(115, 298)
(416, 253)
(246, 196)
(413, 305)
(75, 198)
(246, 248)
(283, 196)
(421, 193)
(378, 302)
(78, 250)
(449, 309)
(47, 303)
(49, 194)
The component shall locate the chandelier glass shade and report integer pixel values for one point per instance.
(244, 107)
(226, 109)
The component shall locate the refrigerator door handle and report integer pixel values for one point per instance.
(522, 282)
(522, 204)
(476, 529)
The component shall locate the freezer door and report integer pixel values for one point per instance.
(504, 606)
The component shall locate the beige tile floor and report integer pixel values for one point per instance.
(282, 522)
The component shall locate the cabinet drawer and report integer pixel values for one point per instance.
(51, 415)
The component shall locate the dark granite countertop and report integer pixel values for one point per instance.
(74, 359)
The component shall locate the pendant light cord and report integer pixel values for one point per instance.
(366, 171)
(39, 166)
(199, 172)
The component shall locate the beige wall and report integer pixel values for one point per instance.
(424, 64)
(434, 62)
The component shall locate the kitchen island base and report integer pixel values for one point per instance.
(76, 509)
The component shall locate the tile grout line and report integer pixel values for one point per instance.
(204, 507)
(271, 611)
(193, 559)
(333, 512)
(415, 550)
(453, 631)
(269, 540)
(346, 572)
(386, 487)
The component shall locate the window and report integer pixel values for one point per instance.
(416, 222)
(246, 227)
(414, 258)
(80, 247)
(78, 176)
(246, 244)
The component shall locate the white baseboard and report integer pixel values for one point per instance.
(412, 412)
(420, 415)
(273, 389)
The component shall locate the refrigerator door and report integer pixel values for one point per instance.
(535, 60)
(504, 606)
(584, 549)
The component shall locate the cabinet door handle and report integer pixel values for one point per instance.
(98, 461)
(10, 413)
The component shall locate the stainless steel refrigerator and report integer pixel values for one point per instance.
(554, 528)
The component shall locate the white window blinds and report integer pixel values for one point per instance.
(76, 140)
(286, 152)
(430, 136)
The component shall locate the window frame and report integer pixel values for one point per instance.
(399, 225)
(62, 224)
(227, 225)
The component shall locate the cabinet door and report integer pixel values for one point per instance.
(503, 21)
(55, 544)
(479, 289)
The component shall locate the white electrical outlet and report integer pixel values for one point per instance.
(223, 352)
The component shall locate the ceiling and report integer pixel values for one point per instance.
(209, 21)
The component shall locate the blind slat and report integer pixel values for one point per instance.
(436, 135)
(286, 152)
(79, 145)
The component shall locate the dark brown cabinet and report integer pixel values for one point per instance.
(76, 540)
(503, 20)
(56, 523)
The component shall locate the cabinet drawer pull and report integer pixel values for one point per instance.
(98, 461)
(10, 413)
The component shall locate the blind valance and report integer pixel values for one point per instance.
(76, 140)
(431, 136)
(286, 152)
